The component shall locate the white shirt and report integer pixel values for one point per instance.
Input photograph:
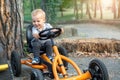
(36, 31)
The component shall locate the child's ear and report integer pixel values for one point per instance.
(45, 20)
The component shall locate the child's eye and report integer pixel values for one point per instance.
(33, 21)
(38, 21)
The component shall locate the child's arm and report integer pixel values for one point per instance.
(35, 33)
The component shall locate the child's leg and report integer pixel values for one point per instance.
(36, 44)
(48, 48)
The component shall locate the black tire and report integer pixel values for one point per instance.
(36, 75)
(16, 64)
(98, 70)
(63, 52)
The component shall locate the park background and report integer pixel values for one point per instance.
(15, 15)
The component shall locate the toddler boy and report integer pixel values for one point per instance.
(38, 20)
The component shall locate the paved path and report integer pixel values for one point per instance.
(112, 64)
(91, 30)
(99, 31)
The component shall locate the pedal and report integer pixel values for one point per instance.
(84, 71)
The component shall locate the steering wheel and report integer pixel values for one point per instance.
(49, 33)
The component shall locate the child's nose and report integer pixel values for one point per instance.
(36, 22)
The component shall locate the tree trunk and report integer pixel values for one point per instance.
(101, 13)
(61, 10)
(114, 8)
(43, 4)
(11, 24)
(76, 10)
(81, 8)
(33, 5)
(88, 9)
(118, 8)
(95, 9)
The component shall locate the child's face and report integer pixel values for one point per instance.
(38, 21)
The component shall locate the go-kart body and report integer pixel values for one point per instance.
(58, 61)
(58, 65)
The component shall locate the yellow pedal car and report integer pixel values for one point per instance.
(59, 65)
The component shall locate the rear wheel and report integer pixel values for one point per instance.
(16, 63)
(36, 75)
(98, 70)
(63, 52)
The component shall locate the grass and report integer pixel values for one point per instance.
(65, 18)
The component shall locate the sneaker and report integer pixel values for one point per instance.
(35, 61)
(51, 75)
(51, 58)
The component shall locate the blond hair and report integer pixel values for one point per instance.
(38, 11)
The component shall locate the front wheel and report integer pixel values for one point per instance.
(98, 70)
(16, 63)
(36, 75)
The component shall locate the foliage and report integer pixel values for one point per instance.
(66, 3)
(51, 8)
(61, 10)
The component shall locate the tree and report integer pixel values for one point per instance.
(76, 10)
(11, 22)
(81, 8)
(118, 8)
(114, 8)
(51, 8)
(88, 9)
(33, 4)
(64, 4)
(95, 10)
(101, 13)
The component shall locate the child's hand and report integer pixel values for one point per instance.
(36, 36)
(62, 30)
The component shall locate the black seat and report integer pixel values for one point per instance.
(29, 37)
